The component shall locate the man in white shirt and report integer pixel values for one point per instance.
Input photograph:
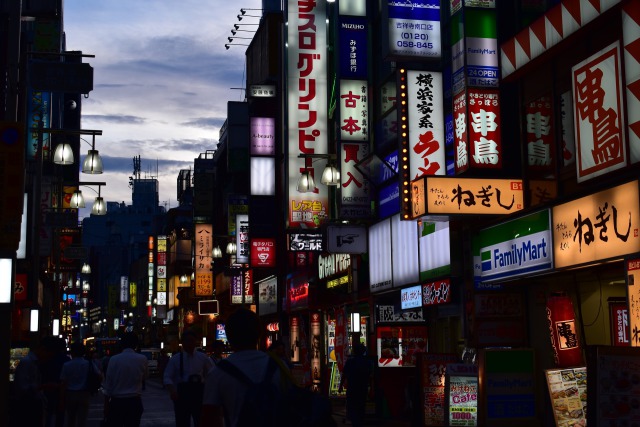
(74, 377)
(184, 378)
(122, 387)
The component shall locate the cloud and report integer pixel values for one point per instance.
(98, 118)
(205, 122)
(162, 81)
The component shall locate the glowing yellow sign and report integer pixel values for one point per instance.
(597, 227)
(466, 196)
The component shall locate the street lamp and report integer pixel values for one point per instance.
(330, 174)
(93, 162)
(77, 199)
(227, 45)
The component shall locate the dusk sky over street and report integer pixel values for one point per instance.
(162, 79)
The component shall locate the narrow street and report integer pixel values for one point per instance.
(158, 409)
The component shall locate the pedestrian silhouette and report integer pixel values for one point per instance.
(184, 378)
(122, 386)
(356, 374)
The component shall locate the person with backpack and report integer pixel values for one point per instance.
(184, 378)
(249, 388)
(248, 377)
(76, 393)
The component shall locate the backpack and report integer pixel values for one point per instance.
(264, 405)
(93, 380)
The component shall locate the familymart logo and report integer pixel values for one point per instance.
(517, 255)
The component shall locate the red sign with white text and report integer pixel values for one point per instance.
(483, 106)
(263, 252)
(540, 134)
(461, 140)
(598, 114)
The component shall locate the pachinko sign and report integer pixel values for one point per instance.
(598, 114)
(307, 108)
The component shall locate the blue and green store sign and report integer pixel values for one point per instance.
(518, 247)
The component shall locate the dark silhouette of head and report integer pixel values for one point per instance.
(189, 341)
(77, 349)
(129, 340)
(243, 329)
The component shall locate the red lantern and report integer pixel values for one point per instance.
(563, 329)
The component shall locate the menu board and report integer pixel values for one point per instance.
(614, 390)
(433, 367)
(462, 394)
(568, 392)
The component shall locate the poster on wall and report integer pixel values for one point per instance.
(433, 367)
(568, 393)
(461, 395)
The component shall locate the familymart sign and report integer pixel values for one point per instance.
(518, 247)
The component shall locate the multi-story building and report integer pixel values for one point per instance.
(488, 158)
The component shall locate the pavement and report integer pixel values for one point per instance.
(158, 410)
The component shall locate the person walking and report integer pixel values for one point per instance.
(122, 386)
(357, 376)
(75, 395)
(224, 394)
(27, 398)
(184, 379)
(52, 385)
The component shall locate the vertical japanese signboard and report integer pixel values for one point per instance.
(354, 110)
(414, 28)
(600, 226)
(483, 107)
(242, 239)
(306, 108)
(633, 295)
(352, 41)
(540, 134)
(355, 189)
(242, 287)
(426, 124)
(161, 253)
(203, 247)
(461, 140)
(599, 114)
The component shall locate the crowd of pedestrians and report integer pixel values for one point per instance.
(51, 384)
